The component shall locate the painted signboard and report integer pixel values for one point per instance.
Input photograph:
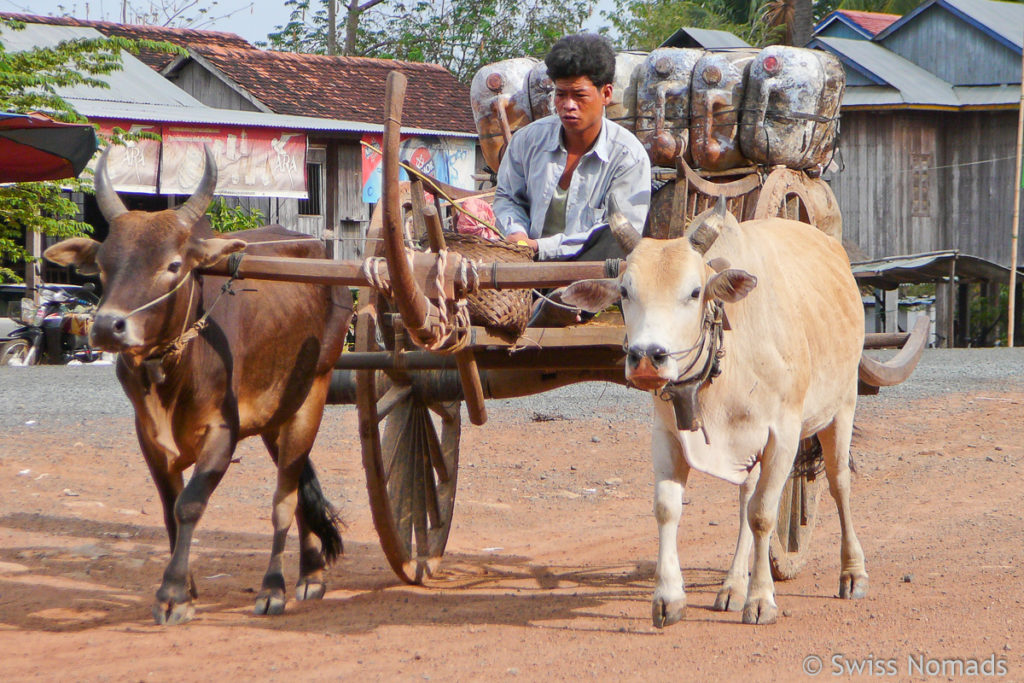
(450, 160)
(251, 162)
(134, 166)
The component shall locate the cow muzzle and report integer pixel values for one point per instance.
(111, 332)
(644, 365)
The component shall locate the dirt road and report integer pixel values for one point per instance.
(549, 570)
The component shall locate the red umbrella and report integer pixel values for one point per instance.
(35, 147)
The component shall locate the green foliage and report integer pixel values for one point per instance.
(460, 35)
(226, 218)
(30, 81)
(987, 317)
(646, 24)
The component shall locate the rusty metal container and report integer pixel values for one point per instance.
(501, 104)
(540, 92)
(663, 103)
(622, 109)
(716, 97)
(791, 107)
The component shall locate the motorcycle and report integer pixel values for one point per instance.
(56, 331)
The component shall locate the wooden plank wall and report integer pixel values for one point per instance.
(353, 215)
(926, 181)
(210, 90)
(977, 60)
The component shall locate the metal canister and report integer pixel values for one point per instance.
(622, 109)
(791, 107)
(716, 97)
(501, 104)
(663, 103)
(540, 92)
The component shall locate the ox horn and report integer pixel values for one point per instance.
(110, 204)
(622, 230)
(703, 231)
(192, 210)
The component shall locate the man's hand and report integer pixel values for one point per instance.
(522, 238)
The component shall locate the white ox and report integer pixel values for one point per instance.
(792, 338)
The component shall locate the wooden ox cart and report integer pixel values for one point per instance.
(416, 359)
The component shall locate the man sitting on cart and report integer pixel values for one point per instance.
(558, 172)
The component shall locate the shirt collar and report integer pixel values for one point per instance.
(602, 146)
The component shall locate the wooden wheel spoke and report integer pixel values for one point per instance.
(419, 473)
(434, 451)
(433, 503)
(391, 398)
(443, 411)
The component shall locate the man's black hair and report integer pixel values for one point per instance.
(582, 54)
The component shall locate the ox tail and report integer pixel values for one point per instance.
(321, 517)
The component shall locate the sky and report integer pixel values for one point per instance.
(251, 19)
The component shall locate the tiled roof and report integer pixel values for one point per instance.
(349, 88)
(184, 37)
(872, 22)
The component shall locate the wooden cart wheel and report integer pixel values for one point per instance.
(792, 194)
(798, 512)
(411, 457)
(410, 443)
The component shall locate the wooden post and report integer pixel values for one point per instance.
(951, 305)
(34, 270)
(892, 310)
(1012, 295)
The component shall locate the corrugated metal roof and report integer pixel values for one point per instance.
(914, 84)
(709, 39)
(134, 83)
(988, 95)
(1004, 21)
(889, 273)
(138, 93)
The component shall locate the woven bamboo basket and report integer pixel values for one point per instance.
(506, 310)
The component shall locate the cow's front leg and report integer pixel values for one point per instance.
(173, 599)
(733, 593)
(762, 514)
(670, 472)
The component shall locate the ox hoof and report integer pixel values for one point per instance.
(310, 589)
(667, 613)
(760, 611)
(730, 599)
(269, 603)
(172, 614)
(853, 586)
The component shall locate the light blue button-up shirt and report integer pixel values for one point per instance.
(529, 172)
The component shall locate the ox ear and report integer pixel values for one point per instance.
(79, 252)
(592, 295)
(718, 264)
(731, 285)
(213, 250)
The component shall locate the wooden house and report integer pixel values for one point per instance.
(312, 115)
(928, 135)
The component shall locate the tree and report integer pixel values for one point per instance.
(195, 14)
(461, 35)
(29, 81)
(645, 24)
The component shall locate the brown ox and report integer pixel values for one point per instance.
(792, 342)
(260, 363)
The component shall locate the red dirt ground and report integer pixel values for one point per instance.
(549, 569)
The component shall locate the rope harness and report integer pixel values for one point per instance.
(682, 391)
